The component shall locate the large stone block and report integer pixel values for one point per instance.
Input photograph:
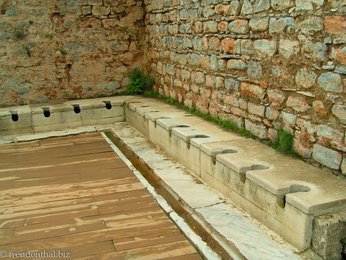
(330, 82)
(254, 69)
(288, 48)
(230, 178)
(252, 91)
(261, 5)
(15, 120)
(259, 130)
(210, 27)
(246, 8)
(311, 25)
(340, 112)
(282, 4)
(278, 25)
(265, 48)
(335, 24)
(55, 118)
(308, 5)
(299, 104)
(327, 157)
(305, 78)
(239, 26)
(259, 24)
(236, 64)
(328, 230)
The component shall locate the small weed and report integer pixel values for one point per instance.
(283, 144)
(225, 124)
(152, 94)
(139, 83)
(170, 101)
(343, 251)
(284, 141)
(19, 34)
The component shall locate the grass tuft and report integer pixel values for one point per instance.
(225, 124)
(139, 82)
(283, 144)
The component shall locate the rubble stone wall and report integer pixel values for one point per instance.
(263, 64)
(51, 50)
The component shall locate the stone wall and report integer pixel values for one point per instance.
(51, 50)
(265, 65)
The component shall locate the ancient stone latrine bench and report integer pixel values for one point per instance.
(303, 204)
(71, 114)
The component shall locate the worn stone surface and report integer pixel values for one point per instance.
(340, 112)
(56, 50)
(259, 24)
(278, 25)
(265, 48)
(288, 48)
(327, 157)
(328, 231)
(258, 130)
(305, 78)
(299, 104)
(239, 26)
(343, 166)
(266, 171)
(330, 82)
(236, 64)
(254, 70)
(308, 5)
(218, 215)
(261, 5)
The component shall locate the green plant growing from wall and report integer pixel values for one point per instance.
(139, 82)
(343, 250)
(226, 124)
(284, 142)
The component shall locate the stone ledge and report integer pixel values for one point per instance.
(52, 117)
(208, 207)
(285, 194)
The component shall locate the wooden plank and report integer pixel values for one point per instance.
(146, 240)
(74, 194)
(86, 250)
(27, 181)
(102, 200)
(36, 233)
(52, 218)
(195, 256)
(148, 253)
(91, 236)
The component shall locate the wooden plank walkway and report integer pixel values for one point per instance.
(73, 195)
